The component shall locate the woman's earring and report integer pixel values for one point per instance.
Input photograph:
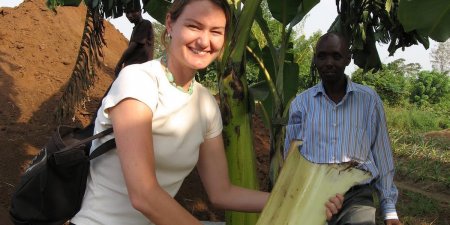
(170, 37)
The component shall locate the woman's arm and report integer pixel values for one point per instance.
(213, 170)
(132, 123)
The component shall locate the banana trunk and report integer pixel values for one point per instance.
(238, 140)
(303, 188)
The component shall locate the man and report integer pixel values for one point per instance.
(340, 121)
(140, 48)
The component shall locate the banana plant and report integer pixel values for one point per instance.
(235, 106)
(280, 73)
(366, 22)
(429, 18)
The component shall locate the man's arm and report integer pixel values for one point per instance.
(151, 38)
(294, 125)
(126, 54)
(382, 154)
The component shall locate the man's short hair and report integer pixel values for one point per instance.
(336, 34)
(133, 5)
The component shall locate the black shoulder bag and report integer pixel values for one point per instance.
(51, 190)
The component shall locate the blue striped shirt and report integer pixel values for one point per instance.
(353, 129)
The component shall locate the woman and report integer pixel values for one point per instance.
(165, 123)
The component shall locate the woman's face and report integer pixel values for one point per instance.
(197, 35)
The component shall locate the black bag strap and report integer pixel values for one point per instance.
(110, 144)
(103, 148)
(86, 140)
(64, 155)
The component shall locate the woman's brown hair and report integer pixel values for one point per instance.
(178, 6)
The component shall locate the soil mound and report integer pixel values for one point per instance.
(38, 48)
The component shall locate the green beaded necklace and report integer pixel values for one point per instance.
(170, 78)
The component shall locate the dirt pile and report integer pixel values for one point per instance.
(38, 48)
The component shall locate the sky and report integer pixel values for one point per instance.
(319, 18)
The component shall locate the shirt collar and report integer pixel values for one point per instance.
(319, 89)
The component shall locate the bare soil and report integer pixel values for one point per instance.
(38, 48)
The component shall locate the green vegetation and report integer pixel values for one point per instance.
(416, 208)
(413, 119)
(419, 158)
(429, 87)
(419, 99)
(422, 162)
(420, 205)
(417, 107)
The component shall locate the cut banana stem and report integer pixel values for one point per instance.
(303, 188)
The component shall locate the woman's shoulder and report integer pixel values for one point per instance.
(150, 68)
(203, 91)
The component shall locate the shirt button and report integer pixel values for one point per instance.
(334, 124)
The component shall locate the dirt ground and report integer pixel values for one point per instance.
(37, 53)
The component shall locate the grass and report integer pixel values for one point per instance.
(420, 159)
(413, 119)
(417, 209)
(424, 162)
(419, 205)
(417, 157)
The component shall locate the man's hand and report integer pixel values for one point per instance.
(393, 222)
(333, 205)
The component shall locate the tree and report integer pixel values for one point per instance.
(441, 57)
(430, 88)
(303, 55)
(158, 47)
(408, 70)
(390, 83)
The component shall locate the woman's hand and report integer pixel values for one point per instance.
(333, 205)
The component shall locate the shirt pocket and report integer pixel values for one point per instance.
(358, 144)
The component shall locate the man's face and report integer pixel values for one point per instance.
(133, 15)
(331, 58)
